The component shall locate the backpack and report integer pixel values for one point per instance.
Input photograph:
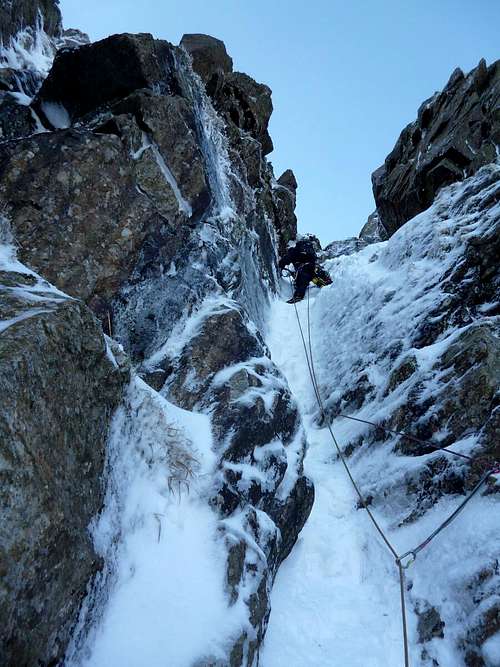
(305, 247)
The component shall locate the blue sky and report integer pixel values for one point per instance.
(346, 77)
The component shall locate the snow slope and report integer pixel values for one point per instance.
(161, 598)
(336, 598)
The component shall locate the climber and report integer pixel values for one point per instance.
(304, 260)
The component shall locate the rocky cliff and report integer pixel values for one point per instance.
(144, 192)
(147, 434)
(457, 131)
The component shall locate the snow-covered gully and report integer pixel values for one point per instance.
(336, 598)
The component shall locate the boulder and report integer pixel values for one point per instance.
(77, 215)
(85, 79)
(59, 390)
(209, 56)
(455, 134)
(373, 230)
(247, 104)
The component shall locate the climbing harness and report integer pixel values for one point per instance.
(321, 277)
(411, 555)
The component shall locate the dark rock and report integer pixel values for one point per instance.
(84, 79)
(59, 391)
(85, 184)
(203, 359)
(209, 56)
(433, 151)
(16, 120)
(429, 623)
(17, 15)
(288, 180)
(402, 373)
(344, 247)
(373, 231)
(285, 220)
(248, 105)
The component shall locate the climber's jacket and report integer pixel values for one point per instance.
(301, 254)
(303, 257)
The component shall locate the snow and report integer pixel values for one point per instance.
(57, 115)
(30, 49)
(491, 651)
(337, 595)
(162, 599)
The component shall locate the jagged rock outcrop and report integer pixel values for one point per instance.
(456, 132)
(59, 390)
(241, 100)
(344, 247)
(142, 203)
(257, 435)
(17, 15)
(285, 192)
(373, 230)
(98, 76)
(209, 56)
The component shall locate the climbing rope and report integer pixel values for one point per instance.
(412, 552)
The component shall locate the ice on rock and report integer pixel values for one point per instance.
(337, 594)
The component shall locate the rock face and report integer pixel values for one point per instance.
(15, 119)
(98, 75)
(74, 179)
(241, 100)
(17, 15)
(373, 231)
(164, 217)
(209, 56)
(59, 390)
(456, 133)
(232, 381)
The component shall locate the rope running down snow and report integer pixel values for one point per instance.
(413, 552)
